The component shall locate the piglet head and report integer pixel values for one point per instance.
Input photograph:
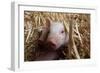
(57, 36)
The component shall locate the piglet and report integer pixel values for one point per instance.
(52, 39)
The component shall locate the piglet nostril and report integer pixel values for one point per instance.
(53, 44)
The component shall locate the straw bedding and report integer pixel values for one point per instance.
(34, 21)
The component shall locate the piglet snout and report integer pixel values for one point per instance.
(51, 43)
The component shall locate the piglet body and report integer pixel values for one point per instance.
(47, 55)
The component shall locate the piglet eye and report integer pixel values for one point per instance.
(62, 31)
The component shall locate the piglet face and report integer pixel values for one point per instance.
(57, 35)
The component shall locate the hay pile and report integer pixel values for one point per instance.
(80, 41)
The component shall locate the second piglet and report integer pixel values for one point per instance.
(52, 39)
